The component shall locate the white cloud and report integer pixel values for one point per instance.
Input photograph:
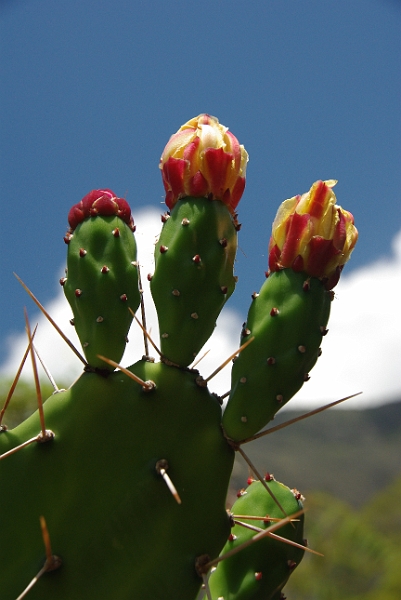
(360, 353)
(363, 347)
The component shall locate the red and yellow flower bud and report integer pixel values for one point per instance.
(311, 233)
(204, 159)
(100, 202)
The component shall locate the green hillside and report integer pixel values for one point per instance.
(351, 454)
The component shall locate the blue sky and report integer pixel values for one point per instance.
(91, 91)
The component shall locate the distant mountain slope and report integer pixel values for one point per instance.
(351, 454)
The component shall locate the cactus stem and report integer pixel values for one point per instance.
(48, 317)
(161, 468)
(296, 419)
(16, 379)
(52, 561)
(258, 536)
(225, 363)
(238, 448)
(147, 386)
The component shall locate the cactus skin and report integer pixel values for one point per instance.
(101, 283)
(111, 517)
(288, 319)
(260, 571)
(193, 276)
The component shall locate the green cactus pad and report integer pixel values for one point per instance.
(260, 571)
(193, 275)
(111, 517)
(287, 319)
(101, 283)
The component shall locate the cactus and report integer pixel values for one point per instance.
(116, 487)
(102, 276)
(262, 568)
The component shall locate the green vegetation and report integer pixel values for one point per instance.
(362, 549)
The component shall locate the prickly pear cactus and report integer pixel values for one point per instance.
(116, 487)
(102, 277)
(262, 568)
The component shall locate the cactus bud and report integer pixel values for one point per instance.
(100, 202)
(313, 235)
(204, 159)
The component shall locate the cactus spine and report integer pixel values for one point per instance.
(126, 480)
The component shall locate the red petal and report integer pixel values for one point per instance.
(191, 148)
(298, 264)
(321, 253)
(217, 162)
(105, 206)
(296, 225)
(173, 172)
(340, 232)
(88, 200)
(334, 278)
(124, 211)
(75, 216)
(198, 186)
(170, 200)
(236, 192)
(274, 257)
(319, 197)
